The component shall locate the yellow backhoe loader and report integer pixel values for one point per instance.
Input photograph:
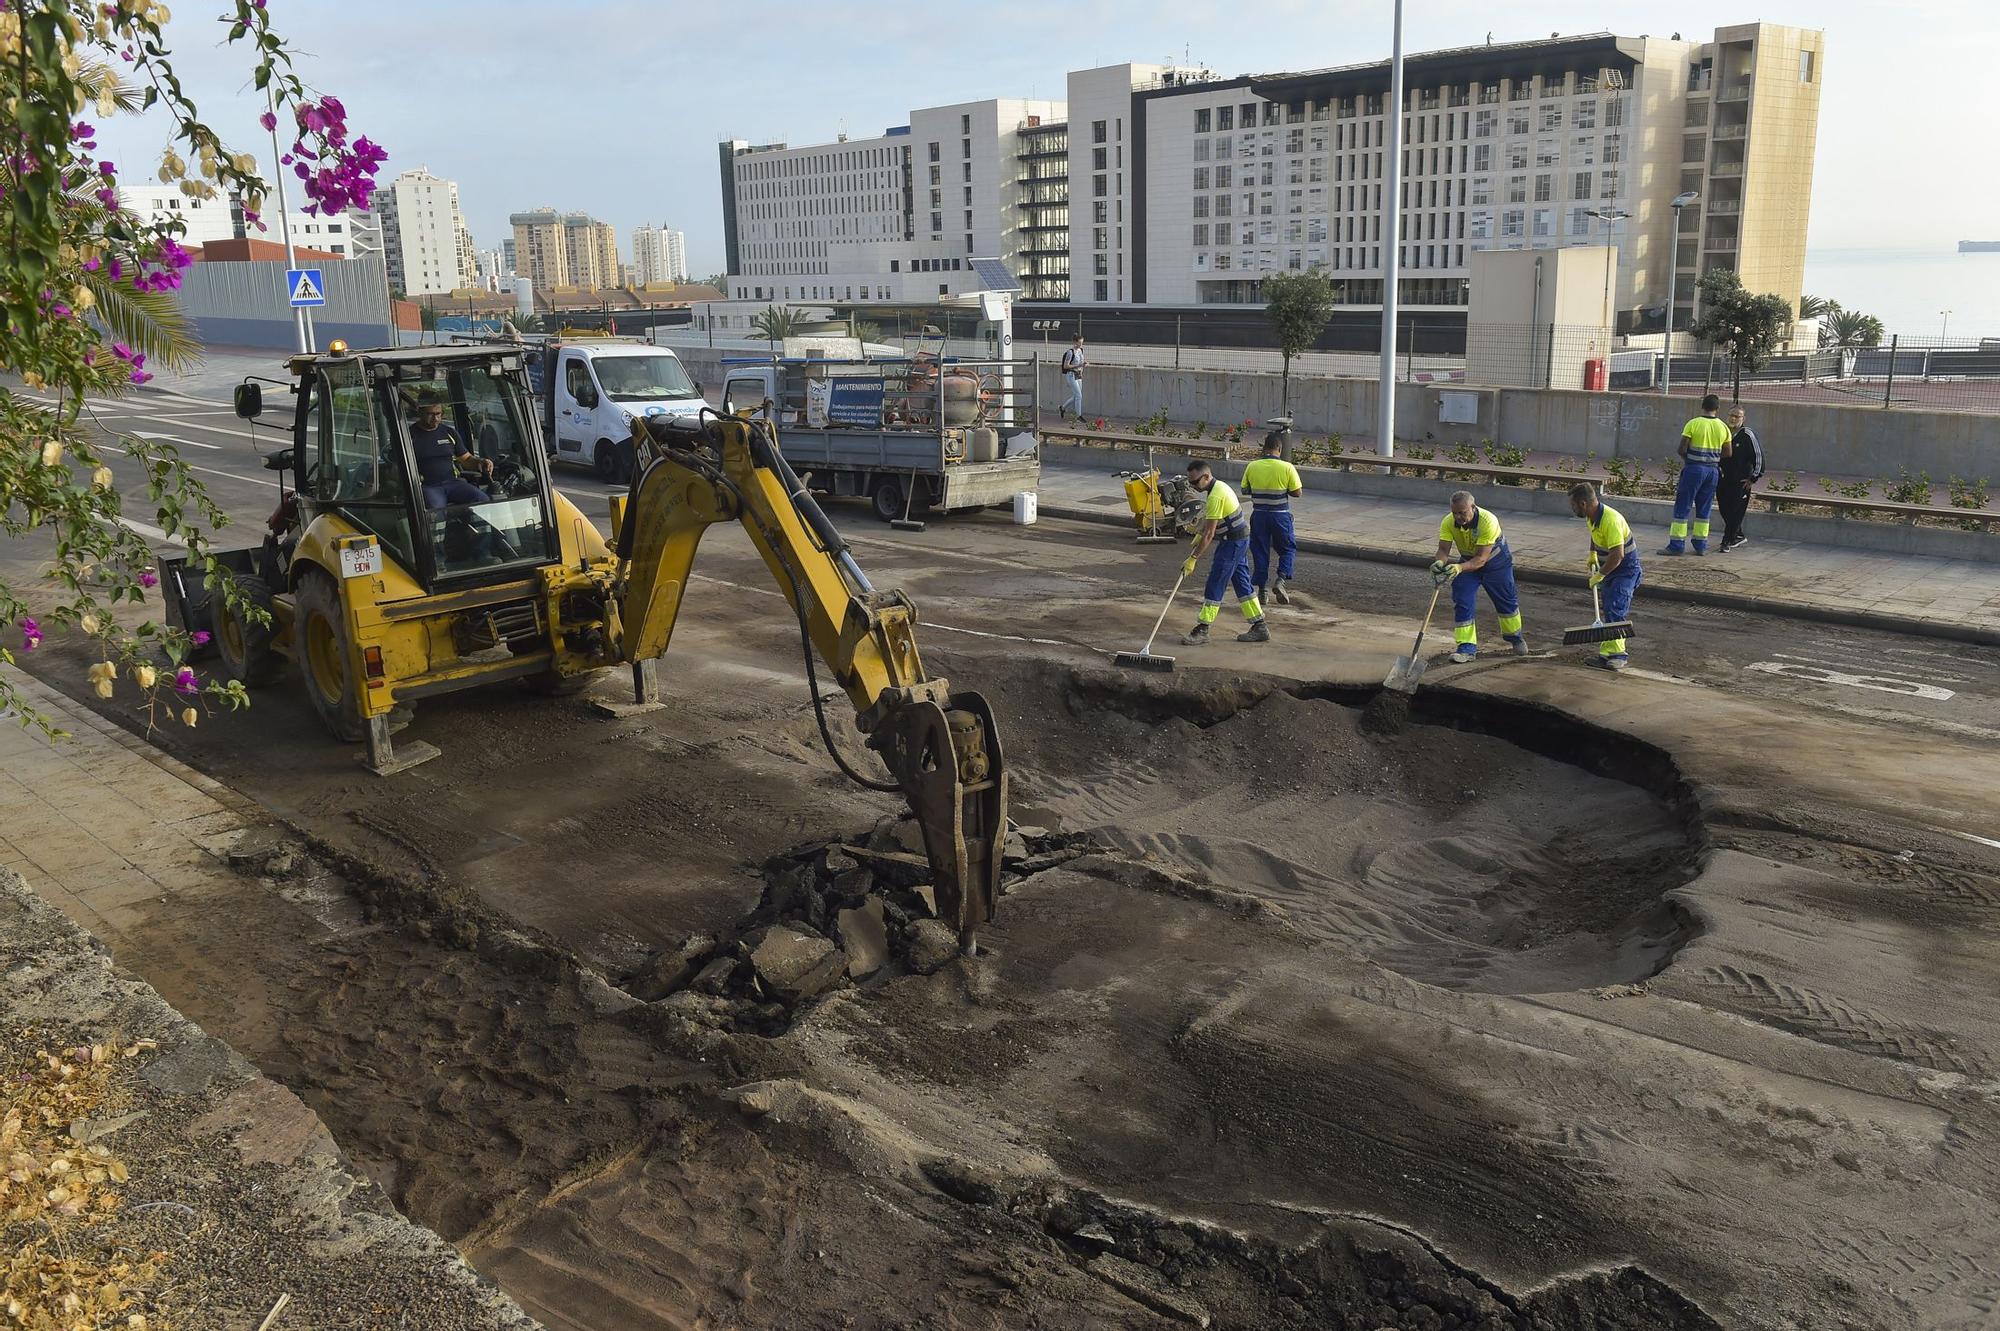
(424, 550)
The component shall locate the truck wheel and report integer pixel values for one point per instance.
(888, 498)
(605, 461)
(319, 630)
(245, 648)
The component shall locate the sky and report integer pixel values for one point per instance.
(615, 107)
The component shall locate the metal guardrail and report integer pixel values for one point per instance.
(1538, 478)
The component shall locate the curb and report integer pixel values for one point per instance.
(1946, 630)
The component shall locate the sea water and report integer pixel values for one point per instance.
(1908, 288)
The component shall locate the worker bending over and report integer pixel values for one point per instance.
(1705, 442)
(1223, 526)
(1272, 484)
(1483, 561)
(1614, 565)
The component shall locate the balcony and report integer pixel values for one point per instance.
(1735, 91)
(1726, 169)
(1721, 244)
(1731, 131)
(1718, 207)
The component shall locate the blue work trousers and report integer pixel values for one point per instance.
(1614, 599)
(1271, 531)
(1496, 575)
(1693, 495)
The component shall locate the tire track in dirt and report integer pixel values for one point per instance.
(1833, 1021)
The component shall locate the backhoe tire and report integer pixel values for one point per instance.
(887, 496)
(243, 647)
(319, 632)
(605, 462)
(551, 685)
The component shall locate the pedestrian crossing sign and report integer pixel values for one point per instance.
(305, 286)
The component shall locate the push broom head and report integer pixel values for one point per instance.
(1597, 633)
(1143, 661)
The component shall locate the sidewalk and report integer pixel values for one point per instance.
(1940, 598)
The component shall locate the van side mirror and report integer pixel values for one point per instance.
(249, 401)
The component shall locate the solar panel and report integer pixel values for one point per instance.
(993, 275)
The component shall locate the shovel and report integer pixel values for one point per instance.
(909, 498)
(1403, 676)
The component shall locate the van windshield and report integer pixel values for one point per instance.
(636, 378)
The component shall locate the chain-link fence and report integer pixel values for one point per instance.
(1915, 372)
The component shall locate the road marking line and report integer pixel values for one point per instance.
(142, 529)
(177, 439)
(928, 623)
(1868, 666)
(1909, 688)
(196, 466)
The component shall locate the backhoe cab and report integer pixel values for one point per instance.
(423, 550)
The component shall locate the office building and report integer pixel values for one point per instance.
(897, 217)
(205, 219)
(1164, 185)
(1524, 145)
(428, 249)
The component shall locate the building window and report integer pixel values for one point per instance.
(1579, 185)
(965, 171)
(1545, 222)
(1510, 222)
(1482, 157)
(1579, 220)
(1097, 186)
(1585, 116)
(1583, 152)
(1201, 205)
(1100, 211)
(1517, 189)
(1102, 289)
(1097, 238)
(1611, 183)
(934, 152)
(1614, 148)
(965, 124)
(1614, 111)
(1544, 188)
(1097, 131)
(968, 242)
(1201, 121)
(1552, 117)
(1517, 122)
(1805, 67)
(1098, 160)
(1547, 153)
(1201, 177)
(1225, 117)
(1201, 150)
(1223, 176)
(1200, 234)
(937, 223)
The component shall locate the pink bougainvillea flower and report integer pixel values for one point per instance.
(199, 638)
(31, 634)
(148, 578)
(268, 121)
(185, 681)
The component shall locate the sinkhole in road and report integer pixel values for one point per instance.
(1484, 846)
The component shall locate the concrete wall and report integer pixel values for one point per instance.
(1847, 533)
(1808, 437)
(246, 304)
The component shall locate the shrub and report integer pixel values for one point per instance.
(1968, 494)
(1462, 453)
(1506, 455)
(1787, 486)
(1622, 477)
(1908, 489)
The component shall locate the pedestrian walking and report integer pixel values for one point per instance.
(1224, 527)
(1272, 484)
(1614, 565)
(1742, 468)
(1704, 444)
(1483, 561)
(1072, 372)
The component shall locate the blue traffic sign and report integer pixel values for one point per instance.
(305, 286)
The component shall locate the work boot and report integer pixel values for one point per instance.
(1520, 641)
(1195, 636)
(1466, 652)
(1279, 594)
(1611, 662)
(1669, 550)
(1257, 632)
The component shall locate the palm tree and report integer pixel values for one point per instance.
(1852, 328)
(775, 323)
(1814, 307)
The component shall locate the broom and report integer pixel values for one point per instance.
(1143, 659)
(1597, 630)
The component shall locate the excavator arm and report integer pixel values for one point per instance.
(940, 747)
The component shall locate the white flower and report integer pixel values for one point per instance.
(144, 676)
(101, 478)
(52, 451)
(188, 717)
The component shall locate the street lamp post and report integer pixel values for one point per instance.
(1944, 323)
(301, 318)
(1681, 200)
(1385, 439)
(1611, 217)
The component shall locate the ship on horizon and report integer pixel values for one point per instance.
(1979, 247)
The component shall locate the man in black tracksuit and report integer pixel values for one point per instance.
(1741, 470)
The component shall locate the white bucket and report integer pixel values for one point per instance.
(1024, 509)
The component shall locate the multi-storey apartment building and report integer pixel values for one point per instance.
(1564, 141)
(559, 251)
(659, 254)
(428, 249)
(895, 217)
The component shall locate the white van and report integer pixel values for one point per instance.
(591, 390)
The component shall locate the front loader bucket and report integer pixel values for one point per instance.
(950, 766)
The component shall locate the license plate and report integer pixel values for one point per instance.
(360, 561)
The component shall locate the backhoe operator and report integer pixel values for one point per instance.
(440, 453)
